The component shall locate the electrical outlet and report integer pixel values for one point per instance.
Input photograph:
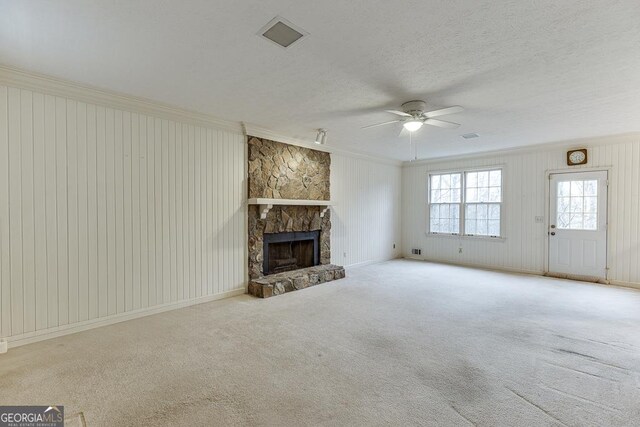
(344, 255)
(394, 246)
(460, 250)
(416, 251)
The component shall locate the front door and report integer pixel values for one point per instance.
(578, 224)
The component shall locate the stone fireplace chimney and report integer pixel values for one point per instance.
(291, 189)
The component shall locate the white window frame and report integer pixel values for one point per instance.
(463, 202)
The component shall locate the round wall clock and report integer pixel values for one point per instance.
(577, 157)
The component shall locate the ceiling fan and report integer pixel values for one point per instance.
(413, 116)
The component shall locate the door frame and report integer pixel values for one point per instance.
(547, 209)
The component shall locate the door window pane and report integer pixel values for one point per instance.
(577, 205)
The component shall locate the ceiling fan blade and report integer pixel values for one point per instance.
(380, 124)
(441, 123)
(400, 113)
(403, 132)
(443, 111)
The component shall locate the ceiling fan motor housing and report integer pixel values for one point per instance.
(414, 107)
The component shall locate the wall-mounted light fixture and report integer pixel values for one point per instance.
(321, 137)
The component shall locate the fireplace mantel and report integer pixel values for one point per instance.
(267, 204)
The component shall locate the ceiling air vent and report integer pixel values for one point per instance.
(470, 135)
(282, 32)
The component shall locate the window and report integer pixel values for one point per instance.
(578, 205)
(483, 191)
(444, 211)
(476, 211)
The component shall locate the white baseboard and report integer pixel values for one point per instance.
(359, 264)
(59, 331)
(479, 266)
(624, 284)
(618, 283)
(367, 262)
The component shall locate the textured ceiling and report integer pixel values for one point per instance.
(527, 72)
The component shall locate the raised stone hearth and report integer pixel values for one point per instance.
(280, 283)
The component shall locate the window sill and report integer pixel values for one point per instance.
(466, 237)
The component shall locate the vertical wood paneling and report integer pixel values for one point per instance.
(192, 213)
(136, 159)
(179, 213)
(144, 214)
(50, 210)
(5, 275)
(104, 211)
(92, 211)
(72, 208)
(218, 211)
(203, 212)
(119, 211)
(186, 266)
(166, 264)
(127, 185)
(209, 199)
(157, 146)
(83, 217)
(367, 196)
(151, 212)
(225, 207)
(172, 212)
(15, 212)
(39, 198)
(62, 196)
(197, 199)
(28, 212)
(108, 242)
(101, 160)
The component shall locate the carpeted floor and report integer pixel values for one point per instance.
(398, 343)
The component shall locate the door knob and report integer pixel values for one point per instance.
(553, 233)
(553, 226)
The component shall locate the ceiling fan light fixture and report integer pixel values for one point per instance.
(412, 125)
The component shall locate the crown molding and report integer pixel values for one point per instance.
(555, 145)
(15, 77)
(261, 132)
(22, 79)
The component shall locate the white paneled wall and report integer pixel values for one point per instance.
(365, 223)
(525, 185)
(105, 212)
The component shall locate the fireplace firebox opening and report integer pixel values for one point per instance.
(290, 251)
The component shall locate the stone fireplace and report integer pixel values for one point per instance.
(289, 220)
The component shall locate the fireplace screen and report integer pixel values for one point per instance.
(290, 251)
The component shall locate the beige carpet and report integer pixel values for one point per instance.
(398, 343)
